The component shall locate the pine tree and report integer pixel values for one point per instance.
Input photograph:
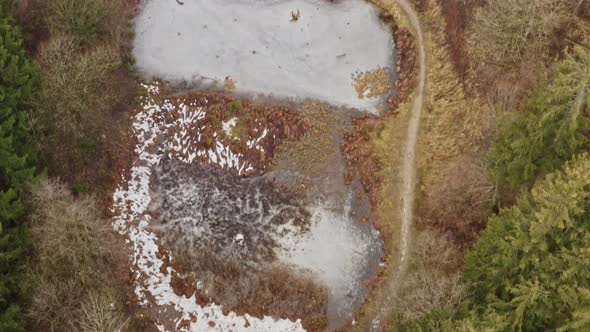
(18, 83)
(529, 270)
(542, 139)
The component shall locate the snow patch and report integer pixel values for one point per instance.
(229, 125)
(130, 201)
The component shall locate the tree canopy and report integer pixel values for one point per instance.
(553, 129)
(18, 83)
(529, 270)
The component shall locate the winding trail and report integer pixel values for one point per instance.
(407, 173)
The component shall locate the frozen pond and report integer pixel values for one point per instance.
(259, 223)
(258, 45)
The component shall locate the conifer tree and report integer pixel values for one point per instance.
(554, 128)
(18, 83)
(529, 270)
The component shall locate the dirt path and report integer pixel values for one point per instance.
(408, 173)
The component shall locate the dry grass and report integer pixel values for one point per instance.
(372, 83)
(454, 123)
(311, 154)
(276, 291)
(459, 202)
(386, 141)
(229, 83)
(385, 137)
(458, 15)
(433, 279)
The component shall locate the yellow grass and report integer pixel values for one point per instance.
(453, 124)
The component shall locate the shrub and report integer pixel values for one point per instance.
(75, 103)
(514, 40)
(459, 201)
(433, 277)
(71, 272)
(235, 107)
(87, 20)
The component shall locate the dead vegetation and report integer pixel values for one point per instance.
(372, 83)
(458, 15)
(87, 93)
(229, 83)
(454, 127)
(514, 41)
(319, 145)
(281, 123)
(77, 271)
(277, 291)
(433, 279)
(459, 203)
(362, 160)
(454, 123)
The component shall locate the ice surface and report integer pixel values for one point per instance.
(341, 254)
(255, 43)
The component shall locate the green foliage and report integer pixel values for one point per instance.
(18, 83)
(529, 270)
(235, 107)
(81, 187)
(539, 141)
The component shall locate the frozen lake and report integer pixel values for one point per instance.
(257, 44)
(259, 223)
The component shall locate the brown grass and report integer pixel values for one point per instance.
(433, 279)
(459, 202)
(372, 83)
(276, 291)
(282, 122)
(454, 123)
(312, 154)
(457, 15)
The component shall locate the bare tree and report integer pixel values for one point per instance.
(71, 274)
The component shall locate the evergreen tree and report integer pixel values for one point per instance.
(542, 139)
(18, 83)
(529, 270)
